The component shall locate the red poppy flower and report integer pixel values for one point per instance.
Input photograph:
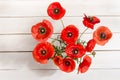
(70, 34)
(56, 11)
(57, 60)
(84, 66)
(68, 65)
(90, 45)
(90, 21)
(102, 35)
(75, 50)
(42, 31)
(42, 52)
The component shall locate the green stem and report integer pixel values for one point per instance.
(77, 61)
(83, 32)
(62, 23)
(55, 39)
(80, 60)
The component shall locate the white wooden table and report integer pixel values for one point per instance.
(16, 42)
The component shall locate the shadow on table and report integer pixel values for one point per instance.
(41, 69)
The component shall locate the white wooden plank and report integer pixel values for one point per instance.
(16, 43)
(27, 42)
(38, 8)
(55, 74)
(23, 60)
(23, 25)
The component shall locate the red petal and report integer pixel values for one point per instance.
(42, 61)
(42, 37)
(96, 35)
(80, 49)
(53, 6)
(40, 57)
(84, 66)
(90, 45)
(70, 29)
(90, 23)
(67, 68)
(95, 20)
(57, 60)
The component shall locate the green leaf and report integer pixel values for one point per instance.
(78, 41)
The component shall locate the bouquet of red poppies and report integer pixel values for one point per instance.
(67, 49)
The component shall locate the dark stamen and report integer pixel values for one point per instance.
(43, 52)
(67, 63)
(69, 34)
(75, 51)
(102, 35)
(90, 18)
(56, 11)
(42, 30)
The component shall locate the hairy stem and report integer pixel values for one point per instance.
(83, 32)
(62, 23)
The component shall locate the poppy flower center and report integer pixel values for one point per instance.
(90, 18)
(67, 63)
(43, 52)
(75, 51)
(56, 11)
(57, 59)
(102, 35)
(42, 30)
(69, 34)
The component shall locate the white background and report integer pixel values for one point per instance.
(16, 42)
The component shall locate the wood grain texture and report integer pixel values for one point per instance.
(17, 44)
(21, 60)
(55, 74)
(27, 42)
(38, 8)
(24, 24)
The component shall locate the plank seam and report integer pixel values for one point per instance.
(48, 16)
(32, 51)
(53, 33)
(60, 70)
